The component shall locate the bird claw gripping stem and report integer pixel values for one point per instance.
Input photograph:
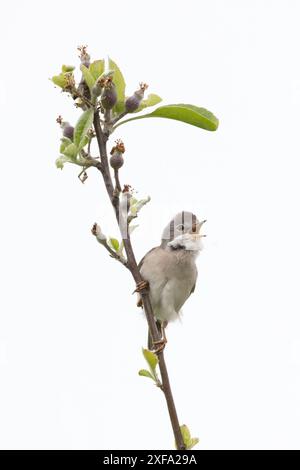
(142, 286)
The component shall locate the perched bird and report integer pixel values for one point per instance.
(170, 269)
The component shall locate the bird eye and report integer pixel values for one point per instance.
(180, 227)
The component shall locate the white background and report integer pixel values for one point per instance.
(70, 334)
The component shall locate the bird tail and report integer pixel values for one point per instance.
(150, 341)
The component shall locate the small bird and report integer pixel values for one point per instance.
(170, 269)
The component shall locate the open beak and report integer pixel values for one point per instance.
(196, 227)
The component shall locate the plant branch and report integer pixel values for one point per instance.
(111, 252)
(117, 180)
(117, 118)
(133, 267)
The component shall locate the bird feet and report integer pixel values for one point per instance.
(159, 345)
(142, 285)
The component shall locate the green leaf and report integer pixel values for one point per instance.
(71, 151)
(133, 200)
(113, 242)
(84, 141)
(67, 68)
(59, 80)
(199, 117)
(189, 441)
(88, 77)
(119, 82)
(133, 210)
(137, 205)
(61, 161)
(151, 359)
(192, 443)
(186, 435)
(84, 123)
(151, 100)
(146, 373)
(119, 107)
(65, 141)
(97, 68)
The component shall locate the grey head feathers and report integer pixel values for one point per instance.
(183, 222)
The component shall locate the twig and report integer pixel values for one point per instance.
(107, 122)
(78, 94)
(133, 268)
(117, 118)
(117, 180)
(112, 253)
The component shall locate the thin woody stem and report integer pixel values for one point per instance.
(118, 185)
(116, 119)
(133, 267)
(111, 252)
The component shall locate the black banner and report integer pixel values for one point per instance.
(133, 459)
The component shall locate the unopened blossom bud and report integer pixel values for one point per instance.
(96, 230)
(116, 160)
(132, 103)
(84, 56)
(68, 130)
(100, 83)
(109, 94)
(96, 90)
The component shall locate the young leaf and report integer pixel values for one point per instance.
(83, 125)
(189, 441)
(59, 162)
(97, 68)
(146, 373)
(137, 205)
(119, 82)
(133, 200)
(192, 443)
(151, 100)
(151, 359)
(84, 141)
(88, 77)
(199, 117)
(186, 435)
(67, 68)
(59, 80)
(113, 242)
(71, 151)
(65, 141)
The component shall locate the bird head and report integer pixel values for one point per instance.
(184, 223)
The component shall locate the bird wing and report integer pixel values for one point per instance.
(142, 260)
(153, 269)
